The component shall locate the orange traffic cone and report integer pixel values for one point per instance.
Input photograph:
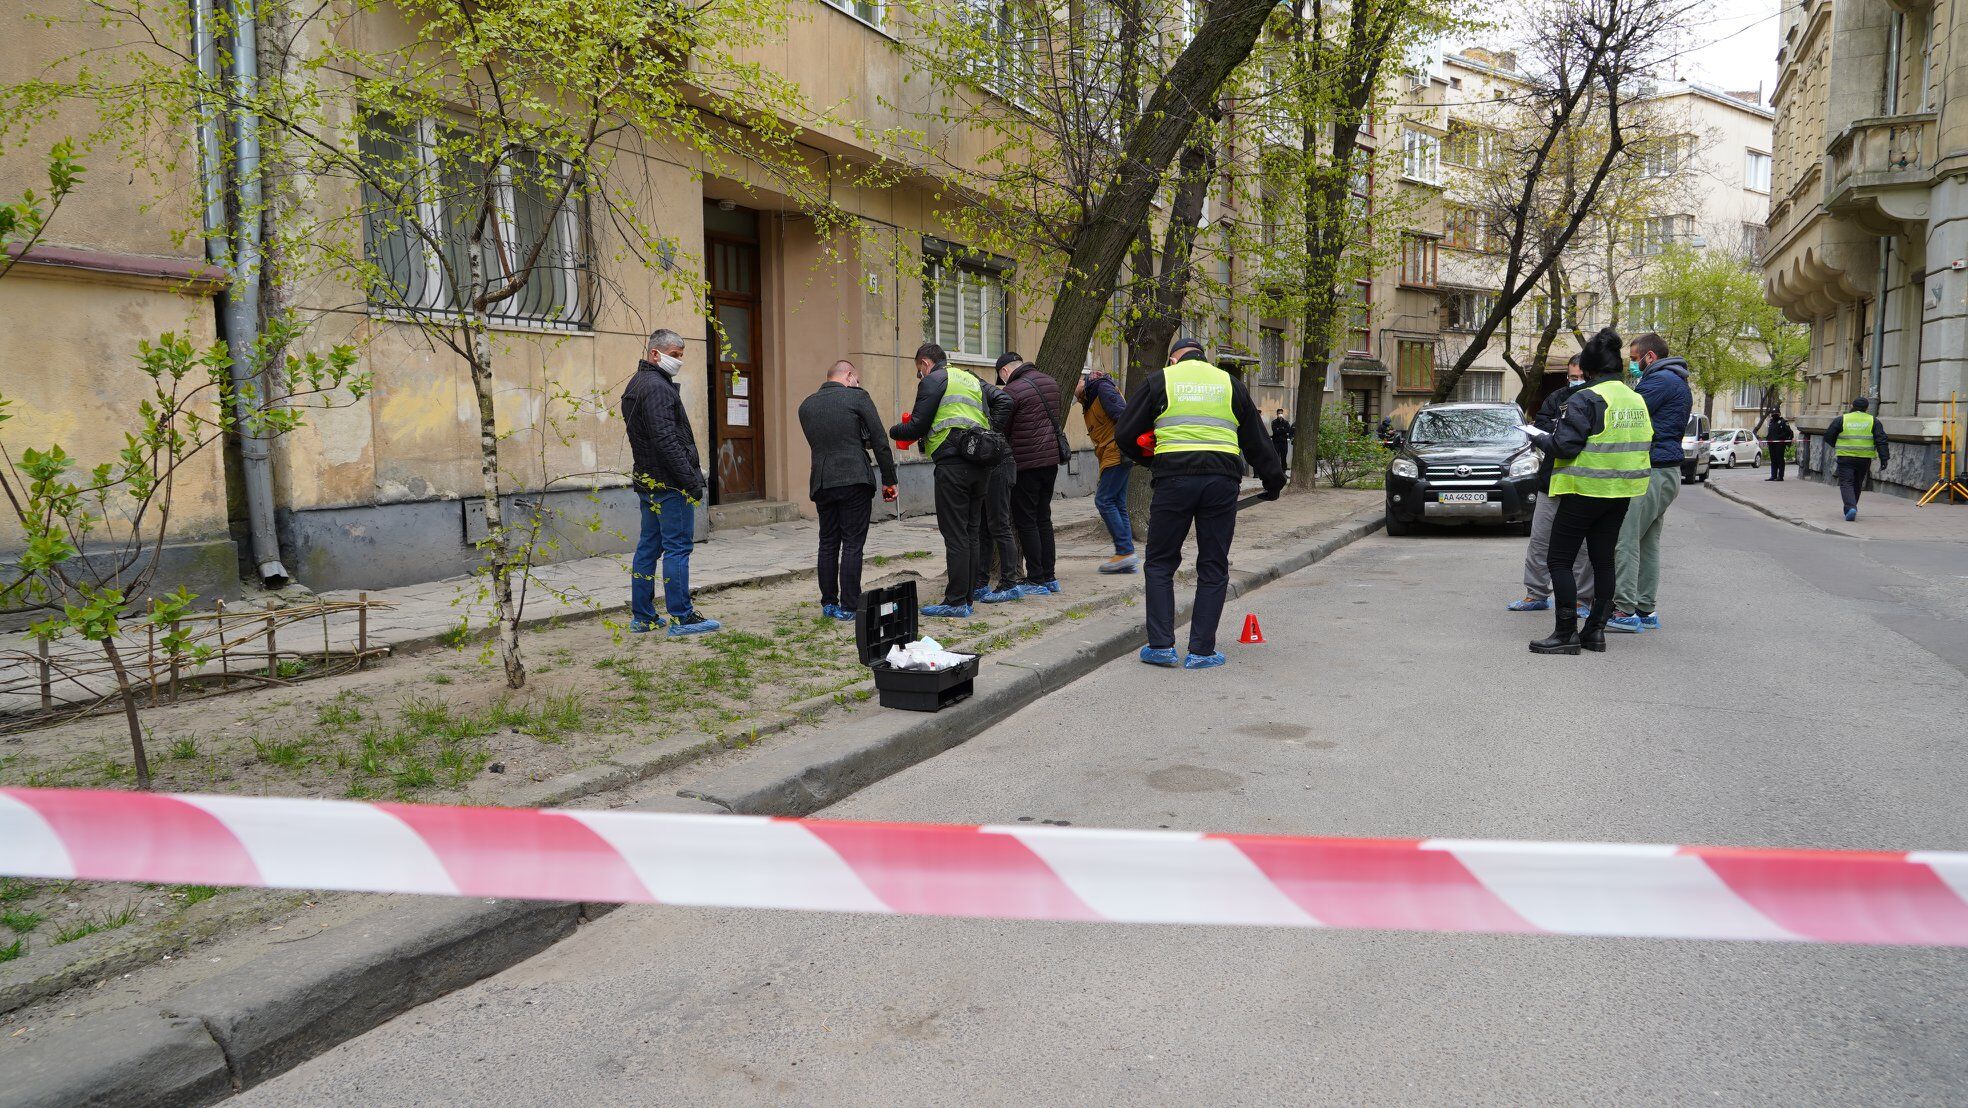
(1252, 633)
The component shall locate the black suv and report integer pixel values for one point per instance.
(1462, 463)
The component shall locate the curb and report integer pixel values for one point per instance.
(807, 776)
(1794, 521)
(231, 1032)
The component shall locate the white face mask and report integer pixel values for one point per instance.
(669, 363)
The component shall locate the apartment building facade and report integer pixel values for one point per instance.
(1868, 231)
(384, 491)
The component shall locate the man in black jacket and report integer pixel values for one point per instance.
(1036, 452)
(669, 484)
(1537, 576)
(841, 427)
(1779, 437)
(960, 485)
(1281, 436)
(1193, 486)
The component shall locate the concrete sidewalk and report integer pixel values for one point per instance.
(1815, 505)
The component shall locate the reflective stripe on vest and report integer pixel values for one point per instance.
(1855, 436)
(962, 406)
(1199, 416)
(1615, 462)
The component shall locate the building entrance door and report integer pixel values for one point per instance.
(737, 400)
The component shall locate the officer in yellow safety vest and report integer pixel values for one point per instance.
(1601, 448)
(1857, 440)
(1203, 426)
(951, 401)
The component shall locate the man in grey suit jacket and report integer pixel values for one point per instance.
(841, 427)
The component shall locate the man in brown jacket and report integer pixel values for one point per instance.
(1101, 406)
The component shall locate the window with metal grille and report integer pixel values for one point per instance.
(964, 306)
(1414, 365)
(1466, 309)
(1479, 387)
(1271, 355)
(416, 237)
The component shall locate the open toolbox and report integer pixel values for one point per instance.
(888, 618)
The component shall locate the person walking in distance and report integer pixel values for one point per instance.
(1281, 436)
(669, 484)
(997, 540)
(1204, 426)
(1537, 576)
(1101, 406)
(1857, 440)
(1602, 447)
(842, 427)
(952, 402)
(1664, 387)
(1779, 438)
(1038, 448)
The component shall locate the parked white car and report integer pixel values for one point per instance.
(1734, 445)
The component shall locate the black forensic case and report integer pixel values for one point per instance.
(888, 618)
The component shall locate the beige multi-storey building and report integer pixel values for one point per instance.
(1868, 229)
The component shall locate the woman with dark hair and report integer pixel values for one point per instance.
(1600, 450)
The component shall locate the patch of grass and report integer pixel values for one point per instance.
(440, 679)
(13, 950)
(291, 668)
(193, 894)
(185, 750)
(19, 922)
(459, 765)
(91, 924)
(426, 716)
(414, 774)
(287, 755)
(358, 790)
(337, 715)
(455, 637)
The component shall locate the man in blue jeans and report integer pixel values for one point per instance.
(1101, 407)
(669, 484)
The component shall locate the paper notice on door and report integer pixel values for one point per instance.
(741, 385)
(737, 413)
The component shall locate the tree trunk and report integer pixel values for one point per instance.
(129, 698)
(1101, 243)
(498, 543)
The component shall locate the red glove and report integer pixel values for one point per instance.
(1146, 442)
(900, 445)
(888, 494)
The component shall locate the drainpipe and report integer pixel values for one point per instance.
(240, 306)
(1879, 324)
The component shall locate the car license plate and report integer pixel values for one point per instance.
(1465, 498)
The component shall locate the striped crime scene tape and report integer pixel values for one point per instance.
(996, 872)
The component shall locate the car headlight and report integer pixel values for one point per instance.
(1405, 467)
(1524, 465)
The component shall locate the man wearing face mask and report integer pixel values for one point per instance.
(951, 400)
(669, 484)
(1663, 385)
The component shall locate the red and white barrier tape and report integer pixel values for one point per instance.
(1014, 872)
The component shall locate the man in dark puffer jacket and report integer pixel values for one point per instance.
(669, 484)
(1035, 449)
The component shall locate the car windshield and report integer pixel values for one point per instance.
(1447, 425)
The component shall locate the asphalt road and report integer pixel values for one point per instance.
(1807, 690)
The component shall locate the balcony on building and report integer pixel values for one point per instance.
(1879, 171)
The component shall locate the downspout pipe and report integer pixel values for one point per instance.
(1879, 325)
(232, 241)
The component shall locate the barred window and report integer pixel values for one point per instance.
(1478, 387)
(1466, 309)
(1271, 355)
(416, 236)
(964, 305)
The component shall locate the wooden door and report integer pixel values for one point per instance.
(737, 397)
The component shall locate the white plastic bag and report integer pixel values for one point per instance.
(923, 654)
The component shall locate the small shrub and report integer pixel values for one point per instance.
(185, 750)
(1348, 454)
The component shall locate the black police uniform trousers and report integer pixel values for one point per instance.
(959, 516)
(1594, 523)
(1777, 460)
(844, 514)
(1209, 501)
(994, 535)
(1852, 474)
(1031, 516)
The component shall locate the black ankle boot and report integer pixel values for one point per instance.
(1593, 635)
(1564, 638)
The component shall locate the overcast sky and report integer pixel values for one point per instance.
(1733, 45)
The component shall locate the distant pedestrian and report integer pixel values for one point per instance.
(997, 540)
(842, 427)
(952, 402)
(1204, 427)
(1779, 438)
(1663, 386)
(1385, 431)
(1602, 446)
(1038, 447)
(1281, 436)
(1857, 439)
(669, 484)
(1537, 575)
(1101, 407)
